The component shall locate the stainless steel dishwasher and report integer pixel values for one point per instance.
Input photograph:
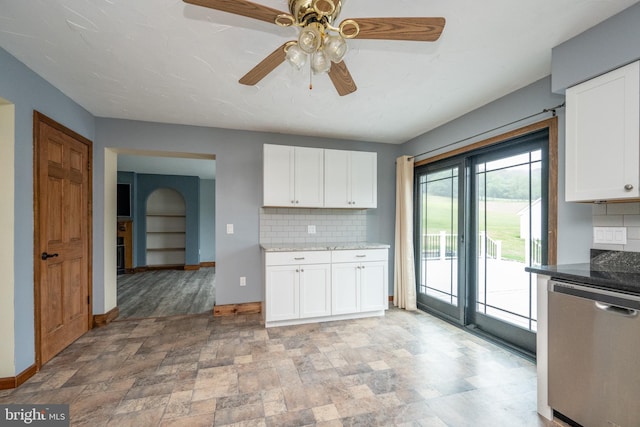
(594, 355)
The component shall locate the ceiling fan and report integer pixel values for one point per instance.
(319, 39)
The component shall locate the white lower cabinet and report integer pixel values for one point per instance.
(298, 285)
(359, 281)
(302, 287)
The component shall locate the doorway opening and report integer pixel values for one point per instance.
(167, 242)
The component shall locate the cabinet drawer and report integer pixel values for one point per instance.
(356, 255)
(297, 258)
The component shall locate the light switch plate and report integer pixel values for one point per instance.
(610, 235)
(229, 228)
(311, 229)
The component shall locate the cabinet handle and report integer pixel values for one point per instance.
(361, 256)
(302, 270)
(363, 267)
(299, 259)
(628, 187)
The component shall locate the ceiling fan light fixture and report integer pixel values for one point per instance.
(296, 56)
(310, 38)
(335, 48)
(320, 63)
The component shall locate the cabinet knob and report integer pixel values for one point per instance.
(628, 187)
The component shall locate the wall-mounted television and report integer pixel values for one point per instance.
(124, 200)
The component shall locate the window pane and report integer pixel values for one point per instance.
(509, 238)
(439, 235)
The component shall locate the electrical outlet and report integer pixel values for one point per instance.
(229, 228)
(610, 235)
(243, 281)
(311, 229)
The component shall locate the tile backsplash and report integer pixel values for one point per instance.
(288, 225)
(619, 215)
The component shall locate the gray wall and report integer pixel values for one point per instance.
(28, 92)
(574, 220)
(609, 45)
(207, 220)
(238, 191)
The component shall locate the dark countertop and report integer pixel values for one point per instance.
(614, 270)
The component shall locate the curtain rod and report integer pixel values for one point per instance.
(546, 110)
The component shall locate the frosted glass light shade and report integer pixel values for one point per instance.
(335, 48)
(320, 63)
(309, 39)
(296, 56)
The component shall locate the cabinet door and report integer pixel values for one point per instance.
(364, 179)
(315, 290)
(278, 175)
(373, 286)
(309, 177)
(603, 137)
(337, 193)
(345, 292)
(282, 293)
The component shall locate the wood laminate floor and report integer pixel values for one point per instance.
(403, 369)
(161, 293)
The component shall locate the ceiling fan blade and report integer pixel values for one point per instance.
(266, 66)
(416, 29)
(342, 79)
(240, 7)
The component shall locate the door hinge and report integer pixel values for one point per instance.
(88, 166)
(88, 300)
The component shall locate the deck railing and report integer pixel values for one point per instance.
(445, 246)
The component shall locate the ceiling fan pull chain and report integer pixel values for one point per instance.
(310, 78)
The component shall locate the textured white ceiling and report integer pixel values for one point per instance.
(166, 61)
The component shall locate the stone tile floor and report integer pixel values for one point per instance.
(405, 369)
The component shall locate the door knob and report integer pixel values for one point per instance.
(628, 187)
(45, 256)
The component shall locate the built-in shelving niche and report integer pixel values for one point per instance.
(166, 228)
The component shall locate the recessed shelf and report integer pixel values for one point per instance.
(164, 249)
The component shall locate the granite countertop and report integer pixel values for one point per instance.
(293, 247)
(614, 270)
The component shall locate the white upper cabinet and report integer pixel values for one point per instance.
(293, 176)
(314, 178)
(603, 137)
(350, 179)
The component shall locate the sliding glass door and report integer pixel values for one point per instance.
(439, 240)
(509, 215)
(498, 198)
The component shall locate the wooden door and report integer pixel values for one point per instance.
(62, 236)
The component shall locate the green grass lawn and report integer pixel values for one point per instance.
(503, 222)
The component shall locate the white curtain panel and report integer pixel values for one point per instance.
(404, 281)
